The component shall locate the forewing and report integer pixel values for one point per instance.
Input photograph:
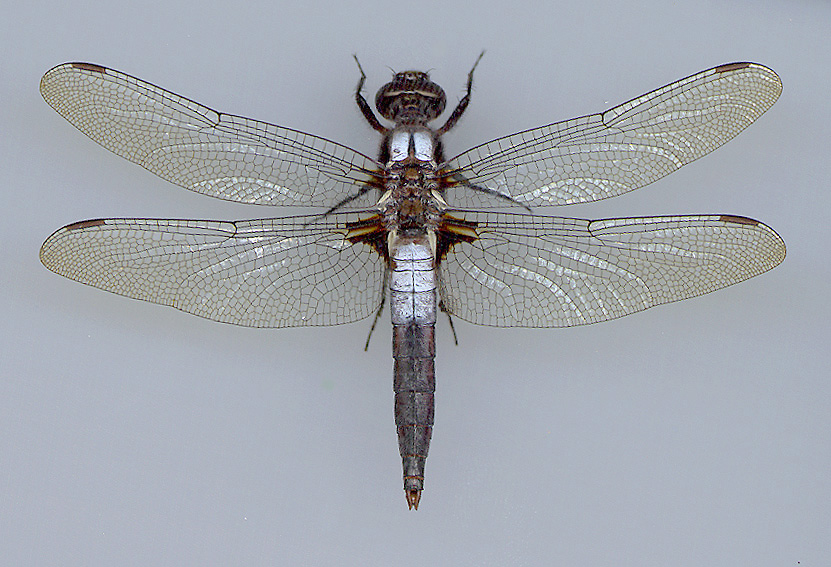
(537, 271)
(221, 155)
(286, 272)
(629, 146)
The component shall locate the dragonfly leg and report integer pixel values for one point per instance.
(377, 315)
(449, 320)
(366, 110)
(340, 204)
(464, 182)
(462, 106)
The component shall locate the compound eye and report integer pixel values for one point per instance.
(383, 101)
(438, 102)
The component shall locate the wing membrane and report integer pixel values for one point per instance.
(539, 271)
(286, 272)
(216, 154)
(629, 146)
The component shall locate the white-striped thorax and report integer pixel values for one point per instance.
(411, 143)
(411, 200)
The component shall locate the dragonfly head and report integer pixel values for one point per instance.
(411, 97)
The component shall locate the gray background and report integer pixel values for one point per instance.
(691, 434)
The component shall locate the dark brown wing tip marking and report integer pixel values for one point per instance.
(90, 67)
(732, 66)
(85, 224)
(738, 220)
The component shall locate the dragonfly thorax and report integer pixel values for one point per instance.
(410, 200)
(411, 143)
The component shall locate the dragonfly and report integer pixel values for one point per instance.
(412, 228)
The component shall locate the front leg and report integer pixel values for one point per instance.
(366, 110)
(462, 106)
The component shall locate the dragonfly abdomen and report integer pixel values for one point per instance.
(413, 306)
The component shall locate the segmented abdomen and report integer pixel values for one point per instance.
(413, 306)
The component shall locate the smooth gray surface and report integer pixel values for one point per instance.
(695, 433)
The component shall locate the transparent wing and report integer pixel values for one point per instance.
(629, 146)
(538, 271)
(221, 155)
(260, 273)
